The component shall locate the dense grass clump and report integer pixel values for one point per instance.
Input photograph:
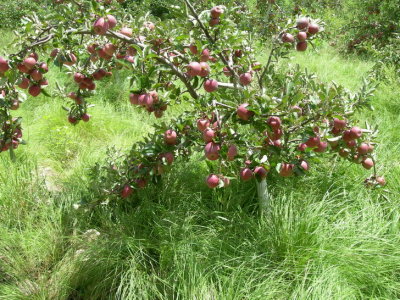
(324, 237)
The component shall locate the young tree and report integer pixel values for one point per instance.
(248, 118)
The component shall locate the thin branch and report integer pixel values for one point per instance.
(209, 37)
(260, 80)
(196, 16)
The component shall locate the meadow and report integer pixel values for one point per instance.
(324, 236)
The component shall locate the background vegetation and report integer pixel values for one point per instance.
(324, 238)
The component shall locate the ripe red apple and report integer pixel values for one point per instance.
(208, 135)
(112, 21)
(72, 120)
(71, 59)
(36, 75)
(100, 26)
(193, 49)
(370, 148)
(313, 141)
(22, 68)
(211, 151)
(214, 22)
(205, 55)
(110, 49)
(126, 191)
(202, 124)
(4, 67)
(302, 36)
(24, 84)
(274, 122)
(232, 152)
(194, 69)
(210, 85)
(243, 113)
(339, 124)
(321, 147)
(355, 132)
(170, 137)
(34, 90)
(304, 165)
(245, 78)
(260, 172)
(381, 181)
(149, 25)
(313, 28)
(34, 55)
(301, 46)
(126, 31)
(29, 63)
(43, 68)
(85, 117)
(368, 163)
(302, 147)
(54, 53)
(92, 48)
(216, 11)
(302, 23)
(351, 144)
(287, 38)
(212, 181)
(363, 149)
(286, 170)
(169, 157)
(226, 181)
(154, 96)
(205, 69)
(246, 174)
(275, 135)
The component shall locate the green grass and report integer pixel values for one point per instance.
(324, 237)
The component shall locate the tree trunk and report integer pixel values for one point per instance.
(263, 196)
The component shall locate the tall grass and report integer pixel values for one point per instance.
(324, 237)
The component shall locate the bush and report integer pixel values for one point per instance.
(11, 12)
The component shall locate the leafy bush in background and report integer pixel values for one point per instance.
(11, 12)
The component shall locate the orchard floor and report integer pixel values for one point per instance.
(324, 237)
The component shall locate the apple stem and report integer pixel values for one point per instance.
(263, 195)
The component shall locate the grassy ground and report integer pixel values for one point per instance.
(323, 238)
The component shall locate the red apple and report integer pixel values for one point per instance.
(287, 38)
(210, 85)
(302, 36)
(243, 113)
(303, 23)
(211, 151)
(217, 11)
(126, 191)
(246, 174)
(170, 137)
(260, 172)
(245, 78)
(208, 135)
(286, 170)
(368, 163)
(212, 181)
(4, 67)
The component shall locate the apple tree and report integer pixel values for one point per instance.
(248, 118)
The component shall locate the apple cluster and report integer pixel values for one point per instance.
(305, 30)
(150, 101)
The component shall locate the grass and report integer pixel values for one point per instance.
(324, 237)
